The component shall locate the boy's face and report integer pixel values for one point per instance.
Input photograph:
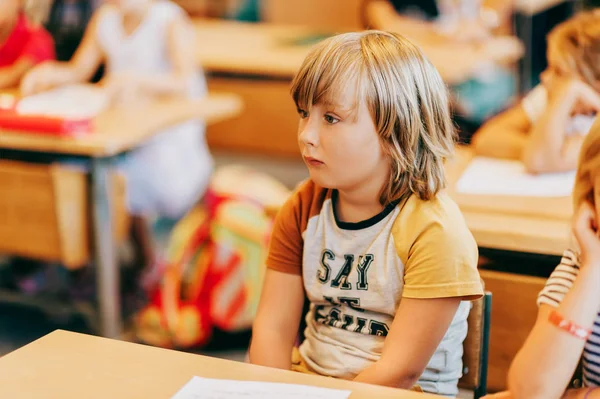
(341, 146)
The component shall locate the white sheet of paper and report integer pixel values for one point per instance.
(74, 101)
(206, 388)
(489, 176)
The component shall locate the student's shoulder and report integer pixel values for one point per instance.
(437, 220)
(306, 201)
(439, 210)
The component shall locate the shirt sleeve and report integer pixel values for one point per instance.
(39, 47)
(439, 253)
(287, 245)
(561, 280)
(535, 102)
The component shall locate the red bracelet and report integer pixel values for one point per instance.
(567, 325)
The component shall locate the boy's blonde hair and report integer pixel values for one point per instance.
(404, 94)
(588, 167)
(575, 44)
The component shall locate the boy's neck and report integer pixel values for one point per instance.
(138, 14)
(360, 203)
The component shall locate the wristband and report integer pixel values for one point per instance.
(575, 330)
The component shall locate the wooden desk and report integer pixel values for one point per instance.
(521, 224)
(117, 131)
(72, 366)
(120, 129)
(269, 50)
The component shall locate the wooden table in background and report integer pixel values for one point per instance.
(511, 223)
(258, 61)
(72, 366)
(116, 131)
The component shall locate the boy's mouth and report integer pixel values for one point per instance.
(313, 161)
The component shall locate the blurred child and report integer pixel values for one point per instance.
(23, 42)
(547, 128)
(444, 28)
(568, 323)
(147, 47)
(383, 254)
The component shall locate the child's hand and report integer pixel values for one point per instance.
(585, 228)
(41, 78)
(124, 88)
(581, 97)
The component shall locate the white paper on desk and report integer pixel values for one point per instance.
(205, 388)
(489, 176)
(73, 102)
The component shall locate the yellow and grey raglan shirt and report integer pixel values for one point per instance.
(356, 274)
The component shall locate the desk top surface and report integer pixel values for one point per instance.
(68, 365)
(522, 224)
(121, 129)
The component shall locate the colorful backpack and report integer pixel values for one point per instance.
(215, 262)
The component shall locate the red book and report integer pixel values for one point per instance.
(46, 125)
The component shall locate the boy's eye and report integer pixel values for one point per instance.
(303, 114)
(331, 119)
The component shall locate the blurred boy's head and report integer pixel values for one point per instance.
(574, 49)
(587, 180)
(9, 11)
(370, 96)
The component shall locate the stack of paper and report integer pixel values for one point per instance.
(68, 102)
(205, 388)
(488, 176)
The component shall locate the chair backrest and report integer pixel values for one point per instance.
(476, 347)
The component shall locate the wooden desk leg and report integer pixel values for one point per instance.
(107, 270)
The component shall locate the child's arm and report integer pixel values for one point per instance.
(407, 351)
(544, 365)
(503, 136)
(277, 321)
(10, 76)
(80, 68)
(548, 149)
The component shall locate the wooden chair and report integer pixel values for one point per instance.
(45, 215)
(476, 347)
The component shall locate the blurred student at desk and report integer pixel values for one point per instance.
(445, 28)
(145, 46)
(567, 329)
(23, 41)
(547, 128)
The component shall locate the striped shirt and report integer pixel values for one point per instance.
(558, 285)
